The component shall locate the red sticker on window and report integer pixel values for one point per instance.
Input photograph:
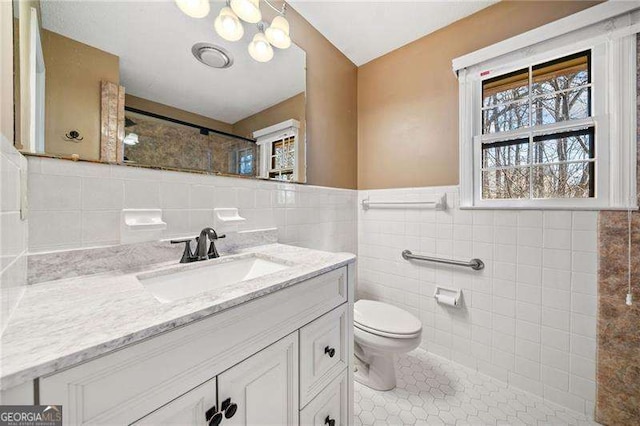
(483, 73)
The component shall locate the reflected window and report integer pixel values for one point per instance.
(245, 161)
(279, 151)
(282, 159)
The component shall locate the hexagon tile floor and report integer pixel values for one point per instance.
(434, 391)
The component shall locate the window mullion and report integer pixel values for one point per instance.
(530, 132)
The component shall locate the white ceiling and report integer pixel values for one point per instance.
(364, 30)
(154, 40)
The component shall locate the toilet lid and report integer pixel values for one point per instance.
(378, 316)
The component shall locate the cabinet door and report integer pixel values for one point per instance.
(188, 409)
(264, 388)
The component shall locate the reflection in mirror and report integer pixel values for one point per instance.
(29, 77)
(169, 143)
(141, 83)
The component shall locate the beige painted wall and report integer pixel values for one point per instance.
(175, 113)
(72, 101)
(408, 99)
(332, 111)
(285, 110)
(6, 71)
(294, 107)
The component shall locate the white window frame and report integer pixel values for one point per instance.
(612, 42)
(264, 139)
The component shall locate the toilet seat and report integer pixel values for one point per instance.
(385, 320)
(383, 334)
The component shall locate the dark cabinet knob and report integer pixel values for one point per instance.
(329, 421)
(231, 411)
(330, 351)
(210, 412)
(229, 408)
(216, 419)
(213, 417)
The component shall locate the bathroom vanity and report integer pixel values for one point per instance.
(275, 347)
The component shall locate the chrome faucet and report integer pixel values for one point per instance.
(201, 252)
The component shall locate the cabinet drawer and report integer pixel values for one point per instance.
(330, 404)
(323, 352)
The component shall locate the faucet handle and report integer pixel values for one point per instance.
(221, 236)
(187, 255)
(182, 240)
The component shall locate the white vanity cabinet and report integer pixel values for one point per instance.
(260, 390)
(276, 359)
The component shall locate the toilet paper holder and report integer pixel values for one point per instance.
(448, 296)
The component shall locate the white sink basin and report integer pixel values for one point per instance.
(168, 286)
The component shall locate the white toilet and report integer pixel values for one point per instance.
(382, 330)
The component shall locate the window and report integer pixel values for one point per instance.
(530, 147)
(279, 151)
(245, 161)
(547, 119)
(282, 159)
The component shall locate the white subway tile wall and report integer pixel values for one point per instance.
(528, 318)
(78, 204)
(13, 231)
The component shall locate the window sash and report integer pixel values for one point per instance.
(532, 164)
(530, 98)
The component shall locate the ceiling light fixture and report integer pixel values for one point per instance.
(247, 10)
(194, 8)
(260, 49)
(228, 26)
(278, 33)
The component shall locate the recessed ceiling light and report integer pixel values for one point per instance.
(211, 55)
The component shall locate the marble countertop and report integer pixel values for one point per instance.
(63, 323)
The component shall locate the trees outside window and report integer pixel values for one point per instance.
(519, 159)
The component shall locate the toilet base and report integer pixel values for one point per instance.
(377, 372)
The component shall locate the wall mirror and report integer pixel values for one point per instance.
(140, 83)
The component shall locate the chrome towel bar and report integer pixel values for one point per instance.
(438, 202)
(475, 264)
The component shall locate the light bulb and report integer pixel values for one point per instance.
(260, 49)
(228, 26)
(194, 8)
(278, 33)
(247, 10)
